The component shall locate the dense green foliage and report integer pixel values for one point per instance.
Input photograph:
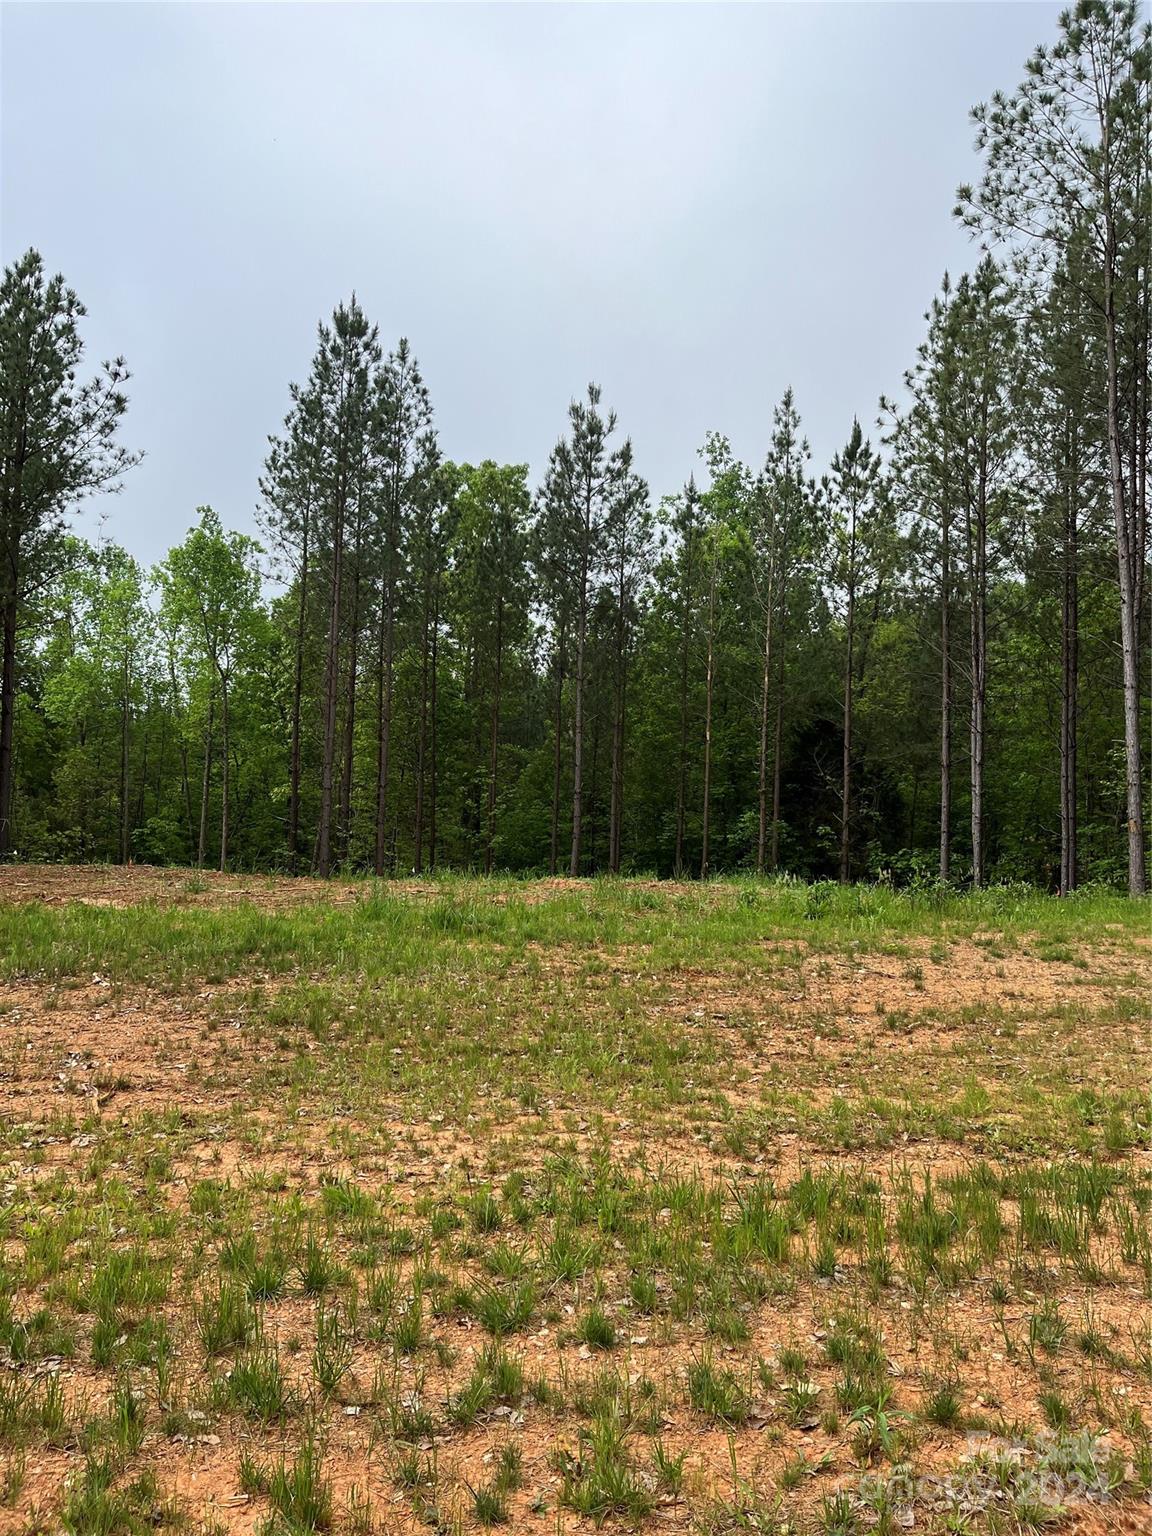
(926, 662)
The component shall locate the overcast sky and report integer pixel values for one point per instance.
(695, 205)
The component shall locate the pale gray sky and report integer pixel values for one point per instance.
(695, 205)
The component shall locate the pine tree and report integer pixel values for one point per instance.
(1067, 163)
(405, 458)
(986, 394)
(490, 599)
(864, 558)
(433, 518)
(291, 490)
(724, 505)
(315, 488)
(924, 476)
(1066, 443)
(688, 530)
(584, 485)
(783, 537)
(628, 533)
(58, 444)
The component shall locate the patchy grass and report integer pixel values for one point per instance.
(459, 1204)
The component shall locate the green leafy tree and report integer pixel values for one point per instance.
(210, 589)
(95, 688)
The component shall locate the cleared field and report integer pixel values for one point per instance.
(443, 1204)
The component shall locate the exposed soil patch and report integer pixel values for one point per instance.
(402, 1163)
(958, 978)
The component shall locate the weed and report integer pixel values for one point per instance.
(316, 1270)
(716, 1392)
(300, 1493)
(596, 1329)
(225, 1320)
(333, 1350)
(601, 1479)
(669, 1469)
(96, 1507)
(800, 1399)
(943, 1404)
(256, 1386)
(489, 1505)
(500, 1309)
(1047, 1328)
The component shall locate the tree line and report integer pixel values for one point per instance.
(927, 660)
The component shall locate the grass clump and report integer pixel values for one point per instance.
(602, 1478)
(300, 1493)
(717, 1392)
(225, 1319)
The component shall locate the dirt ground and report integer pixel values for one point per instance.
(175, 1087)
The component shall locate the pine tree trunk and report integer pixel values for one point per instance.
(204, 785)
(765, 700)
(422, 738)
(1129, 543)
(682, 773)
(578, 714)
(384, 737)
(590, 824)
(124, 814)
(557, 754)
(979, 659)
(945, 695)
(777, 751)
(494, 738)
(7, 715)
(297, 701)
(331, 688)
(846, 764)
(616, 793)
(384, 684)
(225, 776)
(1069, 689)
(348, 755)
(615, 824)
(708, 688)
(435, 734)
